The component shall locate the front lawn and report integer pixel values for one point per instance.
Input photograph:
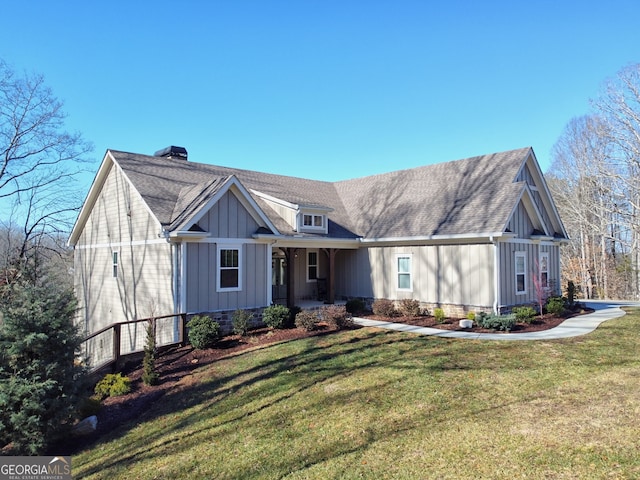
(378, 404)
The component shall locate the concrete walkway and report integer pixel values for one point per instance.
(571, 327)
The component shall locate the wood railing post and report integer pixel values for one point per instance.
(183, 329)
(116, 346)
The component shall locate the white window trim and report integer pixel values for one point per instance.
(540, 271)
(219, 248)
(410, 272)
(312, 280)
(522, 255)
(312, 228)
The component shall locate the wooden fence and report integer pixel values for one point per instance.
(108, 345)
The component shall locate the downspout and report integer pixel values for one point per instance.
(496, 275)
(183, 277)
(270, 273)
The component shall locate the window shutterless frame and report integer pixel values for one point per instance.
(229, 268)
(521, 272)
(404, 276)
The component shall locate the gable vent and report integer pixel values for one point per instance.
(172, 152)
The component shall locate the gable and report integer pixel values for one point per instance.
(228, 218)
(113, 211)
(526, 220)
(531, 174)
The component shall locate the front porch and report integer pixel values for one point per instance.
(303, 277)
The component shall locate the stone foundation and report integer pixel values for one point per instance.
(450, 310)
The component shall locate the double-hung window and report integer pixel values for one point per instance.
(544, 269)
(403, 264)
(229, 268)
(521, 272)
(312, 265)
(114, 260)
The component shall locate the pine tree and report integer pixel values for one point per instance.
(149, 374)
(41, 379)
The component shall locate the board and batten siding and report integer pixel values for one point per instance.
(441, 274)
(507, 252)
(520, 222)
(227, 219)
(120, 222)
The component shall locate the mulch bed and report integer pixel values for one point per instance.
(544, 322)
(176, 363)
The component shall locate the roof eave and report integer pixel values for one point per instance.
(308, 242)
(485, 237)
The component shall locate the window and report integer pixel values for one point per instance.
(521, 272)
(403, 263)
(313, 221)
(229, 278)
(312, 266)
(115, 264)
(544, 270)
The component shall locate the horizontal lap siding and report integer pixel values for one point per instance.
(143, 287)
(453, 274)
(120, 222)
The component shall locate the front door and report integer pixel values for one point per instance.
(279, 278)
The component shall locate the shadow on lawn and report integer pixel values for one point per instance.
(218, 399)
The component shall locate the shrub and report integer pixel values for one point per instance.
(384, 307)
(275, 316)
(337, 315)
(555, 305)
(113, 385)
(241, 321)
(409, 307)
(307, 320)
(355, 306)
(203, 331)
(88, 407)
(471, 316)
(438, 313)
(497, 322)
(149, 374)
(524, 314)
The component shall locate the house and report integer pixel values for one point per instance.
(162, 234)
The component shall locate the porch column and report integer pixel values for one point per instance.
(331, 281)
(290, 255)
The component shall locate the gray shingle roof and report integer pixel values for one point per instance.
(474, 195)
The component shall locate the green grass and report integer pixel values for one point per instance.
(385, 405)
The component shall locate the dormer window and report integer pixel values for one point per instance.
(313, 221)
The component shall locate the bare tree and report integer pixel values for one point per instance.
(619, 104)
(596, 183)
(39, 162)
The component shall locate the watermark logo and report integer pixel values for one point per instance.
(35, 468)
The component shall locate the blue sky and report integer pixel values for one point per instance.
(322, 89)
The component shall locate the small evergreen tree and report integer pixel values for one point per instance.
(149, 374)
(41, 379)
